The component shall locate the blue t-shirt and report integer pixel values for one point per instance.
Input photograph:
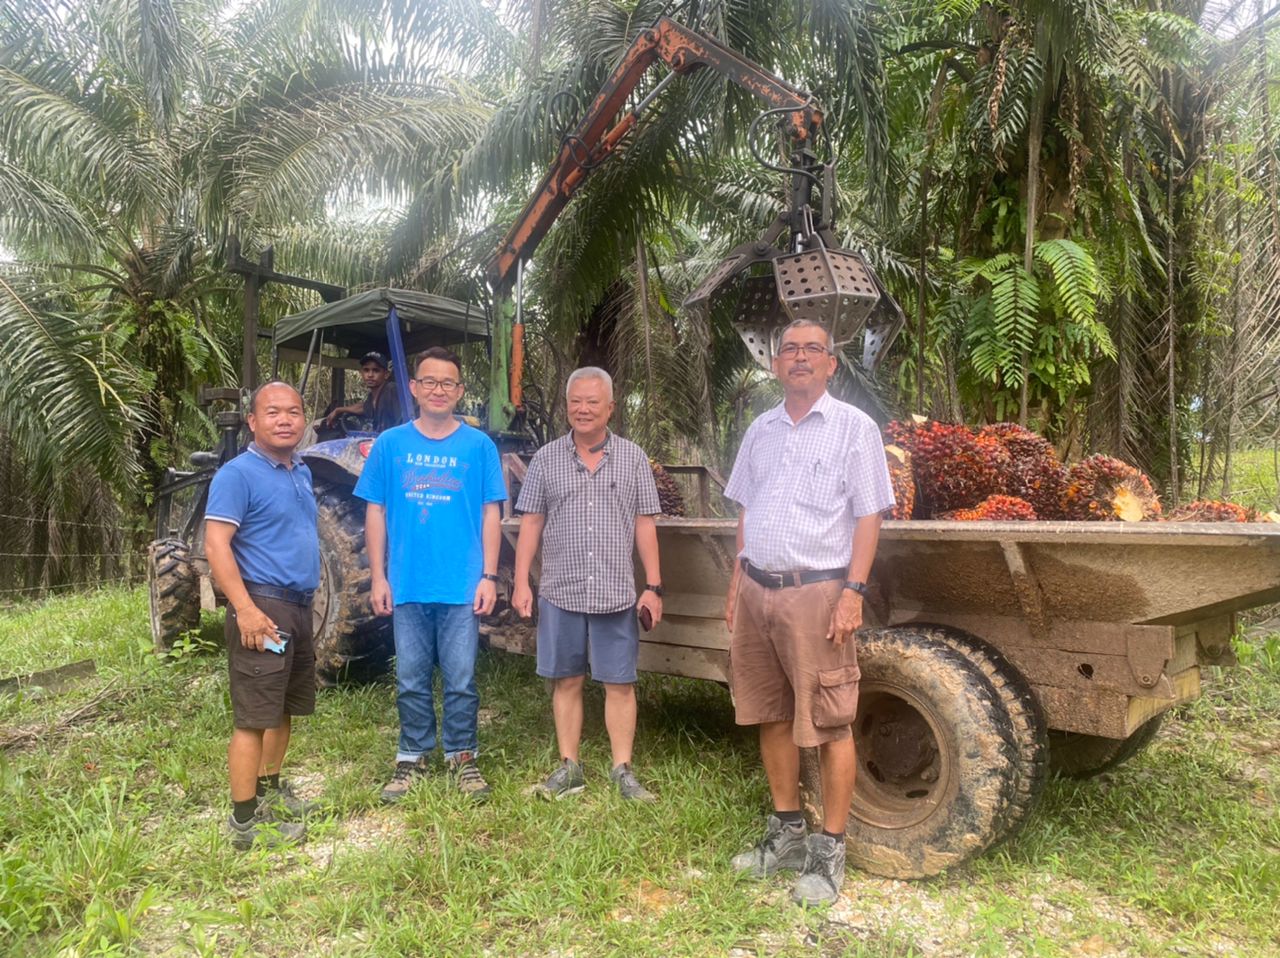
(273, 509)
(434, 492)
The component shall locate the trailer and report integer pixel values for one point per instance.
(990, 650)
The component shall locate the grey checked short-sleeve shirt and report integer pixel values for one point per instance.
(589, 535)
(805, 484)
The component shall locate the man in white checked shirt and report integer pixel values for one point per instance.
(812, 482)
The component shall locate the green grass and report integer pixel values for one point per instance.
(111, 841)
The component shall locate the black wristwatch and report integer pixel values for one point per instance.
(655, 589)
(858, 587)
(490, 576)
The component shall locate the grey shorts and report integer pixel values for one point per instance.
(567, 640)
(264, 685)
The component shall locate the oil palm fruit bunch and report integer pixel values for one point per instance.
(952, 468)
(1101, 488)
(1035, 472)
(996, 508)
(904, 484)
(1212, 510)
(670, 498)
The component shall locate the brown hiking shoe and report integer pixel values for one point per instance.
(403, 779)
(466, 775)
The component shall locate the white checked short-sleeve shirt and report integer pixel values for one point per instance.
(590, 529)
(805, 484)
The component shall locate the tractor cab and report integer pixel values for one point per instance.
(394, 324)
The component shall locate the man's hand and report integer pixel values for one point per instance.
(380, 595)
(653, 603)
(486, 597)
(255, 627)
(730, 601)
(522, 599)
(846, 617)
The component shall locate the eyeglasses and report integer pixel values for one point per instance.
(811, 350)
(431, 385)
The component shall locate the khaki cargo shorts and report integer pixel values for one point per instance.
(782, 666)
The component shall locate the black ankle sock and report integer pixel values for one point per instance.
(244, 810)
(268, 781)
(838, 836)
(790, 818)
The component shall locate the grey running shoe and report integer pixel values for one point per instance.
(265, 832)
(402, 779)
(467, 777)
(781, 848)
(819, 883)
(564, 781)
(284, 804)
(629, 786)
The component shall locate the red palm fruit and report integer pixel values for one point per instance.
(995, 508)
(1035, 472)
(1212, 510)
(904, 485)
(1102, 488)
(952, 468)
(669, 496)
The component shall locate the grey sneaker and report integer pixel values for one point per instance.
(781, 848)
(264, 831)
(467, 777)
(564, 781)
(819, 883)
(284, 804)
(629, 786)
(402, 779)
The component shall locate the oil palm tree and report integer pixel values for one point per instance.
(136, 134)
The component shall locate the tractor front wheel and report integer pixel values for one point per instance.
(173, 587)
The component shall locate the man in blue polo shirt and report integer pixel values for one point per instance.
(434, 488)
(263, 551)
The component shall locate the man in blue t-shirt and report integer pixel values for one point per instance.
(432, 529)
(263, 551)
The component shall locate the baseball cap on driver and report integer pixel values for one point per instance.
(373, 356)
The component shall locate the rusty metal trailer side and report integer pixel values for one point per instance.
(1110, 623)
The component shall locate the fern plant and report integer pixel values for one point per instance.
(1047, 315)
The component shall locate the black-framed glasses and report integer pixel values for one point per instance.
(810, 350)
(431, 384)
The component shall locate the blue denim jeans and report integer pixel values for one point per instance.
(430, 634)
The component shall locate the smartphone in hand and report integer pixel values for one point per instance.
(646, 618)
(277, 644)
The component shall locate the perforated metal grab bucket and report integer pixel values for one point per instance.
(832, 288)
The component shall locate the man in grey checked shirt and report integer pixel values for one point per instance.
(812, 482)
(593, 493)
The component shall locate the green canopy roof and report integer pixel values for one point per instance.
(358, 323)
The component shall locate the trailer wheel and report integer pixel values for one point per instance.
(1030, 732)
(173, 588)
(351, 642)
(1073, 755)
(937, 757)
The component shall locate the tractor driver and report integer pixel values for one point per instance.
(381, 407)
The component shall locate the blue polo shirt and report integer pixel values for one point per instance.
(434, 492)
(273, 509)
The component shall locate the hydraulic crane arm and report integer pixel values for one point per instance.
(598, 135)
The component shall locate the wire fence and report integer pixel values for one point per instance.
(97, 555)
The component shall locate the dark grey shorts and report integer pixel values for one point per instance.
(567, 640)
(264, 685)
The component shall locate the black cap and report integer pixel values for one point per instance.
(373, 356)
